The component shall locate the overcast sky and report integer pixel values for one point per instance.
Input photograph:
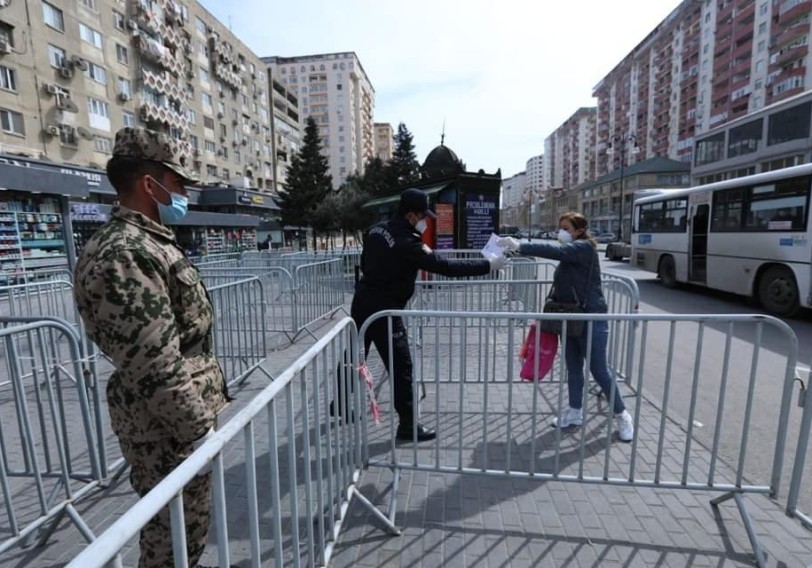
(502, 74)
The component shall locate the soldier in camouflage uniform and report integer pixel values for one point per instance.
(145, 306)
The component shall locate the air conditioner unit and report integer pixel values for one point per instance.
(5, 3)
(223, 138)
(52, 89)
(132, 24)
(52, 130)
(198, 152)
(124, 97)
(245, 141)
(220, 115)
(79, 63)
(5, 47)
(66, 72)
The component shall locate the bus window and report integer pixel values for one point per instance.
(780, 206)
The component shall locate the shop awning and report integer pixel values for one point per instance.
(41, 180)
(431, 190)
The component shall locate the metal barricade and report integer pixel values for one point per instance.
(279, 294)
(507, 436)
(795, 504)
(240, 336)
(49, 447)
(284, 452)
(319, 292)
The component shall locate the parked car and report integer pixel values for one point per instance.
(606, 238)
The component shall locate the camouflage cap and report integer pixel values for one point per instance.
(153, 146)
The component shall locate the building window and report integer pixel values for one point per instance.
(57, 56)
(99, 114)
(710, 150)
(224, 150)
(200, 26)
(762, 28)
(210, 146)
(207, 100)
(119, 21)
(208, 122)
(223, 131)
(192, 116)
(102, 144)
(204, 75)
(790, 124)
(96, 72)
(237, 156)
(90, 35)
(122, 55)
(12, 122)
(67, 136)
(194, 142)
(89, 4)
(124, 86)
(128, 119)
(53, 16)
(211, 171)
(8, 79)
(744, 139)
(226, 174)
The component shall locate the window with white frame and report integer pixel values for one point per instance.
(200, 26)
(119, 21)
(128, 119)
(206, 99)
(90, 35)
(99, 114)
(12, 122)
(103, 144)
(57, 56)
(8, 78)
(210, 146)
(191, 115)
(53, 16)
(89, 4)
(67, 136)
(122, 54)
(6, 34)
(96, 72)
(125, 86)
(204, 75)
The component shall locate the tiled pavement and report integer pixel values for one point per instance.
(453, 520)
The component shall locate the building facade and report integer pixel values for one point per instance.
(706, 64)
(334, 89)
(75, 72)
(514, 206)
(286, 129)
(569, 157)
(384, 140)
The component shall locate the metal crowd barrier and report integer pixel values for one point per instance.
(797, 481)
(285, 452)
(240, 336)
(508, 437)
(51, 455)
(319, 292)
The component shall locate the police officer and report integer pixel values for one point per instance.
(393, 253)
(144, 305)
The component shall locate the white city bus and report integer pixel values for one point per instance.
(749, 236)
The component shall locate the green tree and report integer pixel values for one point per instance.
(375, 179)
(308, 183)
(403, 168)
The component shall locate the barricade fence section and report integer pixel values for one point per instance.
(319, 291)
(509, 435)
(799, 499)
(286, 453)
(240, 336)
(50, 451)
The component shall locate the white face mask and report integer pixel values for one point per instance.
(564, 236)
(421, 225)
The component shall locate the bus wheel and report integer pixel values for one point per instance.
(667, 271)
(778, 291)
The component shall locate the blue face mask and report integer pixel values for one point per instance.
(176, 210)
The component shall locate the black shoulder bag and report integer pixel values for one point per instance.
(574, 328)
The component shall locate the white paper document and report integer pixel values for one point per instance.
(491, 248)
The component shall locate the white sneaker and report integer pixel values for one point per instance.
(625, 426)
(569, 417)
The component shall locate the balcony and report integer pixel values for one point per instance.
(787, 55)
(797, 11)
(150, 112)
(164, 85)
(225, 74)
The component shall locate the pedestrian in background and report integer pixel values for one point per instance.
(143, 303)
(578, 279)
(392, 255)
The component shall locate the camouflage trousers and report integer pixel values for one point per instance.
(150, 462)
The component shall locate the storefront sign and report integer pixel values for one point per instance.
(480, 218)
(87, 212)
(257, 200)
(245, 199)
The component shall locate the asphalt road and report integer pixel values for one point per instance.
(769, 377)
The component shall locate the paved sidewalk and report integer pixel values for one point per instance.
(453, 520)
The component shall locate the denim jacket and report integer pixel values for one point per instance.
(571, 275)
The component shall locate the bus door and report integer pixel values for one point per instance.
(698, 253)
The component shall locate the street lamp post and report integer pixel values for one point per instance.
(622, 140)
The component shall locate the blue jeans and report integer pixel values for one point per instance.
(575, 358)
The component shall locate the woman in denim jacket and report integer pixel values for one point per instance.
(578, 277)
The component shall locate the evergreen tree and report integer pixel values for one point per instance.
(375, 179)
(403, 167)
(308, 183)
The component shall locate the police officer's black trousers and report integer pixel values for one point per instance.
(378, 334)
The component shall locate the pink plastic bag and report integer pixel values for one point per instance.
(548, 347)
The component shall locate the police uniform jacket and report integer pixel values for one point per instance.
(392, 256)
(144, 305)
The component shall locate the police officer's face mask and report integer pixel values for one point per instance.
(176, 210)
(421, 225)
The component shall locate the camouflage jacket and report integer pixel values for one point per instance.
(144, 305)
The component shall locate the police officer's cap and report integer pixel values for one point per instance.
(415, 201)
(153, 146)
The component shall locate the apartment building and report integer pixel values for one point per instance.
(707, 63)
(334, 89)
(73, 73)
(534, 168)
(287, 133)
(384, 140)
(569, 157)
